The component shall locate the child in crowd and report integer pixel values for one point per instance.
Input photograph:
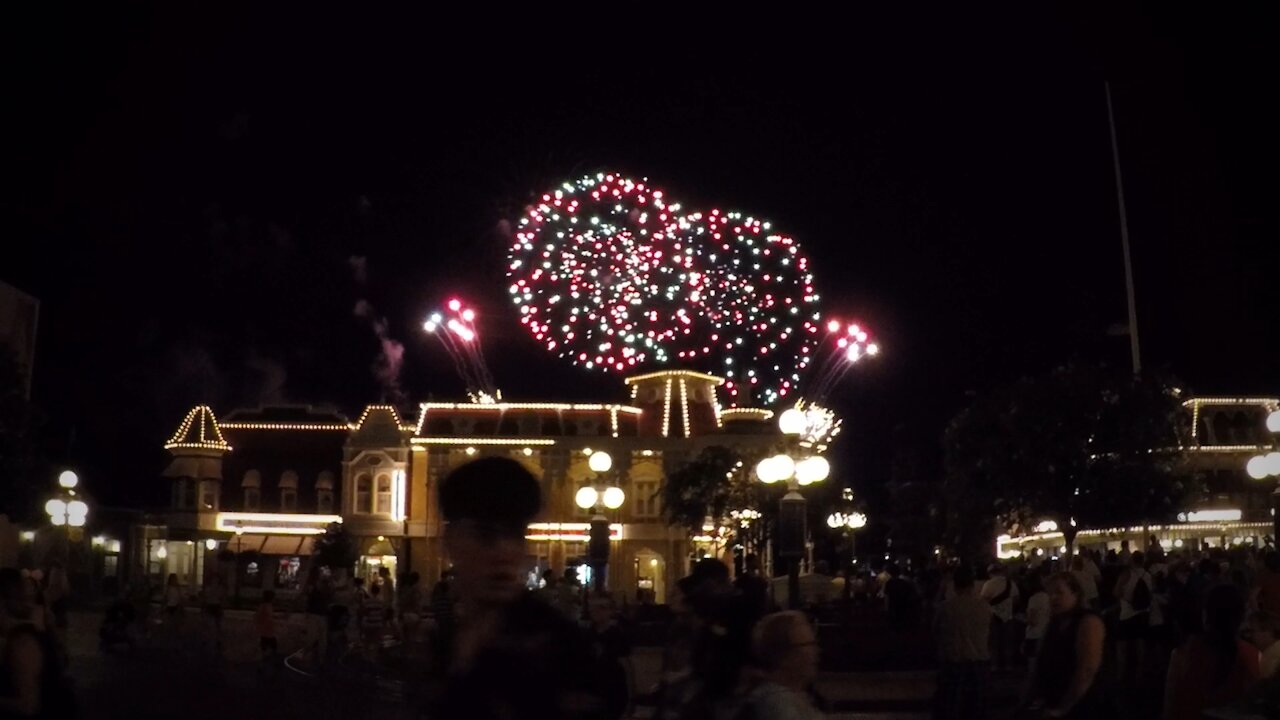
(265, 621)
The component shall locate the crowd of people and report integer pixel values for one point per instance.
(1094, 634)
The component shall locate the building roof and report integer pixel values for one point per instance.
(286, 417)
(199, 431)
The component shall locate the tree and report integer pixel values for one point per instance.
(1080, 446)
(707, 486)
(335, 549)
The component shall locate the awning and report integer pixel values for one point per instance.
(273, 544)
(286, 545)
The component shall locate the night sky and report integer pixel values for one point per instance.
(186, 192)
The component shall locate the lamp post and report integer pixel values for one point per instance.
(847, 521)
(1261, 467)
(599, 496)
(66, 510)
(797, 469)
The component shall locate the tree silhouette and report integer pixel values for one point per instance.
(1081, 446)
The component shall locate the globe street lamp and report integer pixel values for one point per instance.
(1261, 467)
(598, 496)
(798, 468)
(65, 510)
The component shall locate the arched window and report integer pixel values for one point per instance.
(288, 491)
(1243, 429)
(364, 494)
(181, 493)
(324, 492)
(251, 486)
(570, 428)
(1221, 429)
(551, 426)
(440, 427)
(509, 427)
(485, 427)
(384, 495)
(208, 494)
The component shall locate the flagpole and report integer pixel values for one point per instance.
(1124, 240)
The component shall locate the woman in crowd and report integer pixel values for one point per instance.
(1215, 667)
(31, 681)
(1067, 682)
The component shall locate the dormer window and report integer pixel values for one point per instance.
(289, 491)
(251, 486)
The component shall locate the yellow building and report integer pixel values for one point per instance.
(268, 480)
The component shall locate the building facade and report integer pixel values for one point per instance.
(1223, 433)
(252, 489)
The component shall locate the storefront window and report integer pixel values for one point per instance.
(288, 500)
(252, 575)
(324, 501)
(287, 573)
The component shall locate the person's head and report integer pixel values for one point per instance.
(375, 590)
(1271, 561)
(549, 576)
(962, 579)
(751, 563)
(268, 596)
(601, 609)
(1035, 583)
(1210, 568)
(15, 601)
(1077, 562)
(173, 579)
(487, 504)
(1223, 609)
(786, 649)
(384, 572)
(1065, 593)
(1124, 545)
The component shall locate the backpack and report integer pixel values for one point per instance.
(1141, 595)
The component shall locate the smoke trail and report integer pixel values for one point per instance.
(387, 365)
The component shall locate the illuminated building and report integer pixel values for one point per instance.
(1224, 433)
(280, 475)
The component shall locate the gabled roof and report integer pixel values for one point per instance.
(199, 430)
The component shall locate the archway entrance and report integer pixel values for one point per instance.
(651, 572)
(379, 554)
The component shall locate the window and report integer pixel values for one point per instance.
(645, 503)
(384, 495)
(208, 495)
(287, 575)
(324, 492)
(180, 492)
(110, 565)
(509, 427)
(364, 494)
(288, 491)
(251, 485)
